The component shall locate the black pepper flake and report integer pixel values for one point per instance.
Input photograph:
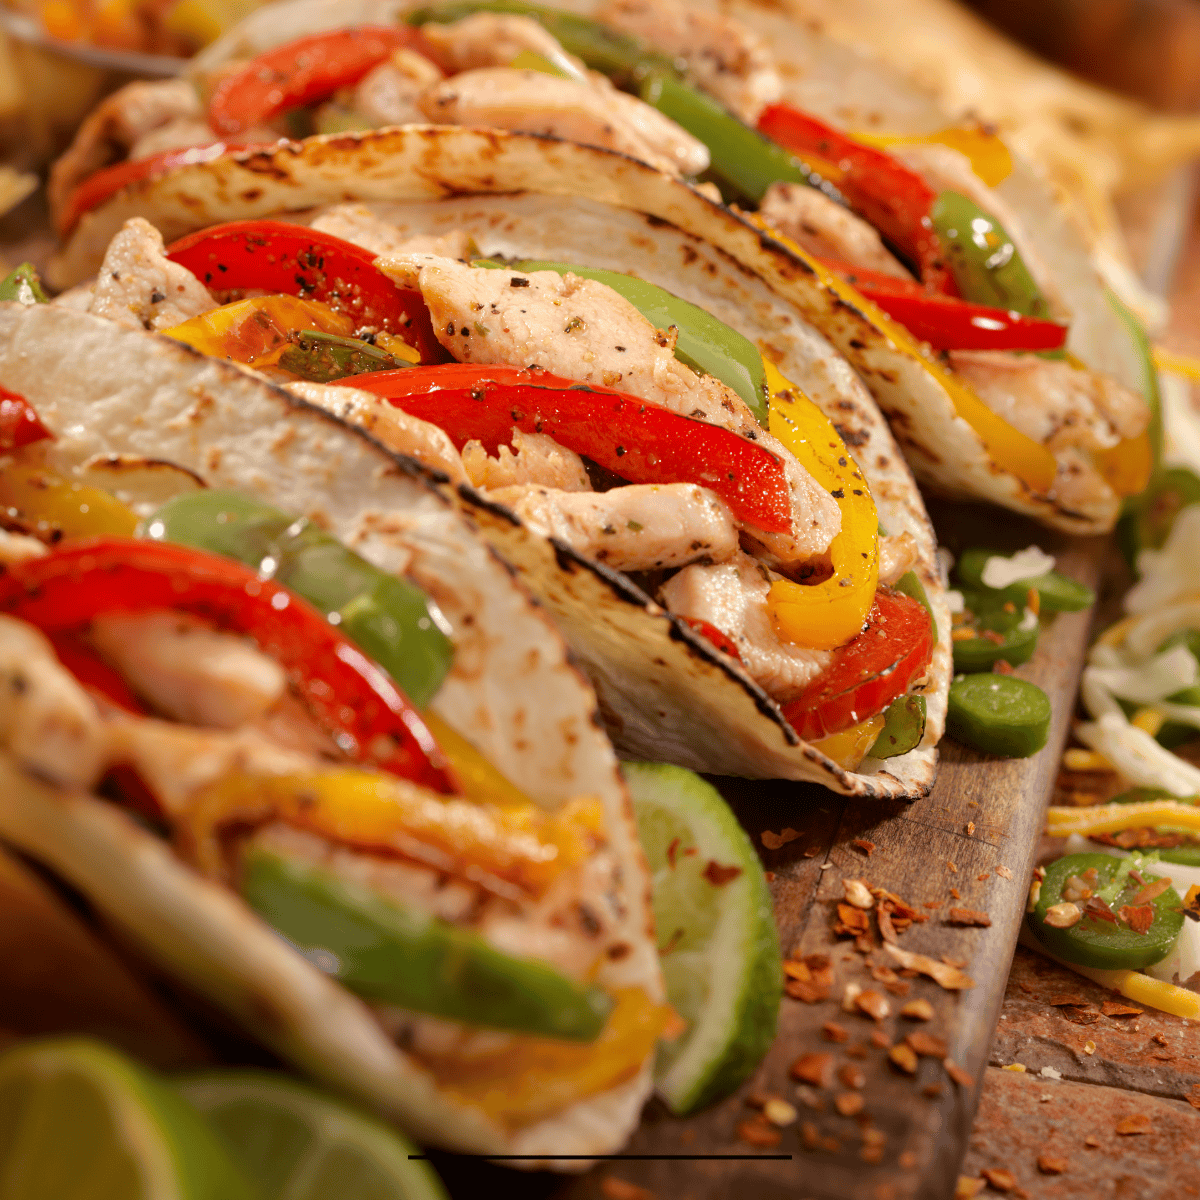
(517, 281)
(838, 494)
(157, 297)
(620, 451)
(858, 491)
(842, 461)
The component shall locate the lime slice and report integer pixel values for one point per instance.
(78, 1119)
(716, 935)
(296, 1142)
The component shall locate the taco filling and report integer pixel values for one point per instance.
(911, 224)
(602, 410)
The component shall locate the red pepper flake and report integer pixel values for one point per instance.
(672, 850)
(952, 868)
(981, 878)
(967, 1188)
(810, 1135)
(814, 1068)
(862, 844)
(852, 922)
(1091, 1141)
(918, 1010)
(773, 841)
(1099, 910)
(1114, 1008)
(999, 1178)
(955, 894)
(718, 875)
(968, 917)
(926, 1045)
(858, 1050)
(1004, 872)
(1051, 1164)
(932, 1090)
(1068, 1000)
(769, 876)
(849, 1103)
(1134, 1125)
(904, 1057)
(879, 1039)
(908, 1160)
(834, 1032)
(963, 1078)
(883, 914)
(1138, 919)
(613, 1188)
(758, 1131)
(1002, 667)
(873, 1004)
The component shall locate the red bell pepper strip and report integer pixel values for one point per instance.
(19, 423)
(893, 198)
(367, 715)
(640, 442)
(869, 672)
(946, 322)
(98, 187)
(720, 639)
(93, 672)
(277, 256)
(303, 72)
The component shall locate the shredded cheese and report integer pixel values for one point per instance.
(1112, 818)
(1000, 572)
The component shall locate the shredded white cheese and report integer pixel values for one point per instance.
(1000, 572)
(1029, 620)
(1171, 572)
(954, 601)
(1153, 679)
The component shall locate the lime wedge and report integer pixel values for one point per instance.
(78, 1119)
(716, 935)
(295, 1142)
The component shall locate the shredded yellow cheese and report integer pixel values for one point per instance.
(1085, 760)
(1111, 818)
(1177, 364)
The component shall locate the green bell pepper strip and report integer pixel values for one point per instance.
(903, 729)
(1149, 372)
(23, 286)
(998, 714)
(389, 618)
(986, 265)
(324, 357)
(1150, 517)
(703, 343)
(383, 950)
(1015, 645)
(623, 58)
(1056, 593)
(742, 161)
(1106, 945)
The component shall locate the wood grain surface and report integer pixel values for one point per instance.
(984, 813)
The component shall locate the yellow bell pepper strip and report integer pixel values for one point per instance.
(989, 156)
(480, 781)
(1127, 466)
(529, 1078)
(827, 614)
(1112, 818)
(850, 747)
(49, 507)
(523, 849)
(1008, 447)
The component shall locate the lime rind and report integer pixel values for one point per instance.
(345, 1152)
(148, 1144)
(727, 979)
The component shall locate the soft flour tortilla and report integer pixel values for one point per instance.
(106, 391)
(667, 696)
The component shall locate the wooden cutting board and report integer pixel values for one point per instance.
(983, 814)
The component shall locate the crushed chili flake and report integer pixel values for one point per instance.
(851, 922)
(955, 894)
(618, 1189)
(1068, 1000)
(883, 915)
(1133, 1125)
(933, 904)
(854, 1077)
(963, 1078)
(862, 844)
(1089, 1047)
(999, 1178)
(1004, 872)
(873, 1004)
(858, 1050)
(871, 1154)
(908, 1160)
(932, 1090)
(1099, 910)
(926, 1045)
(970, 828)
(880, 1040)
(758, 1131)
(1139, 918)
(968, 917)
(952, 868)
(769, 876)
(718, 875)
(773, 841)
(810, 993)
(900, 987)
(903, 1056)
(849, 1103)
(755, 1100)
(833, 1032)
(944, 974)
(815, 1068)
(981, 878)
(918, 1010)
(1160, 1039)
(1002, 667)
(1091, 1141)
(1114, 1008)
(864, 943)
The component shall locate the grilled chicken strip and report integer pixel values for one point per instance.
(188, 670)
(387, 95)
(533, 102)
(732, 596)
(533, 458)
(638, 528)
(584, 330)
(824, 228)
(494, 40)
(139, 287)
(727, 59)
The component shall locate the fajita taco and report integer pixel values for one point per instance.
(442, 911)
(606, 289)
(989, 340)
